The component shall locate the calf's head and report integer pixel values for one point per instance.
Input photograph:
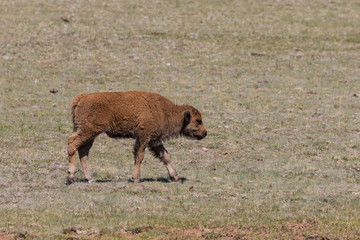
(193, 126)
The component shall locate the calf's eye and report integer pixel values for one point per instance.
(198, 121)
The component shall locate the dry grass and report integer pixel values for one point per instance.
(277, 83)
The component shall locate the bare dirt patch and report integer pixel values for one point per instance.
(11, 235)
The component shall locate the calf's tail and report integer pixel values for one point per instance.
(74, 105)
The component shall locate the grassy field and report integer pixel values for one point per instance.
(277, 82)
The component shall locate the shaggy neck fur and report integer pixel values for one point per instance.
(175, 121)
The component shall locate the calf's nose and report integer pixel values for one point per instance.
(205, 133)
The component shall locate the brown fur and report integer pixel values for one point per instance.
(147, 117)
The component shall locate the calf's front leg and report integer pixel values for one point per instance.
(161, 153)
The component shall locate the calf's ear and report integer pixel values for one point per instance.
(187, 116)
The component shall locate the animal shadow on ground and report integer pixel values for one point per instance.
(95, 181)
(160, 179)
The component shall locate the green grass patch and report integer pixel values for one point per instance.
(278, 87)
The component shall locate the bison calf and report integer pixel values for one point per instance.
(147, 117)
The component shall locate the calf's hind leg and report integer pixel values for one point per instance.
(73, 144)
(160, 152)
(84, 156)
(76, 141)
(139, 152)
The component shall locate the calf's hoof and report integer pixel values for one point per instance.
(135, 180)
(90, 180)
(175, 179)
(71, 176)
(70, 180)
